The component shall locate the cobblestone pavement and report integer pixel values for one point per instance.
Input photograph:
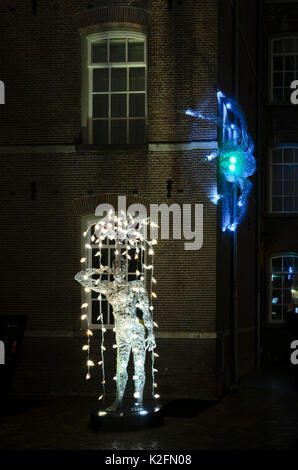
(261, 413)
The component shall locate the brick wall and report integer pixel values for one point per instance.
(41, 56)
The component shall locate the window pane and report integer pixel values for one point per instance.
(118, 79)
(118, 131)
(135, 50)
(289, 77)
(100, 105)
(137, 79)
(288, 188)
(288, 204)
(287, 297)
(278, 95)
(278, 63)
(276, 281)
(289, 172)
(136, 131)
(296, 204)
(289, 45)
(277, 188)
(118, 105)
(105, 256)
(137, 105)
(99, 51)
(278, 45)
(276, 312)
(276, 264)
(276, 296)
(287, 265)
(289, 62)
(288, 155)
(100, 132)
(117, 50)
(278, 78)
(101, 80)
(112, 250)
(95, 259)
(277, 172)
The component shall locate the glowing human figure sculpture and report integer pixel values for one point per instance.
(125, 297)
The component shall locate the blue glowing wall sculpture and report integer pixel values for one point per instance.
(235, 161)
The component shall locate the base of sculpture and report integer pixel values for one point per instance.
(127, 419)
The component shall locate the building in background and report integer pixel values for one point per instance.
(95, 99)
(279, 173)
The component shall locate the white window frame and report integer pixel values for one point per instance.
(275, 256)
(282, 54)
(87, 115)
(271, 166)
(86, 221)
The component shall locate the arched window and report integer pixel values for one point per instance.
(284, 68)
(284, 180)
(116, 84)
(283, 285)
(107, 258)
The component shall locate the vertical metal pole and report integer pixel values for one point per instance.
(258, 193)
(234, 332)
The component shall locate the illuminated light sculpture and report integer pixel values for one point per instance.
(125, 297)
(236, 162)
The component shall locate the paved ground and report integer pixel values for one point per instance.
(261, 413)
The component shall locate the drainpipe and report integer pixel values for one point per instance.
(234, 322)
(258, 190)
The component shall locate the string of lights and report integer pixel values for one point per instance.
(129, 236)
